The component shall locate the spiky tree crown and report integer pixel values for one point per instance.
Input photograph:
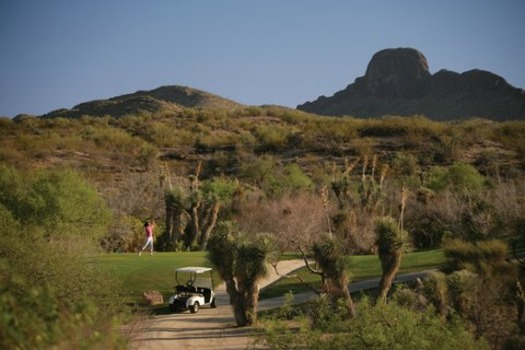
(390, 237)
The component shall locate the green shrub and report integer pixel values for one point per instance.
(464, 177)
(272, 137)
(486, 258)
(383, 326)
(59, 202)
(50, 297)
(460, 177)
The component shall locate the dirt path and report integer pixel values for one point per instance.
(209, 328)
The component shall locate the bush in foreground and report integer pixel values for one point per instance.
(383, 326)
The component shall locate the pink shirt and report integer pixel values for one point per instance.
(149, 231)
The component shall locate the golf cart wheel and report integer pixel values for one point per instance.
(214, 303)
(194, 308)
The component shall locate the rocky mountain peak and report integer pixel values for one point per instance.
(398, 82)
(397, 72)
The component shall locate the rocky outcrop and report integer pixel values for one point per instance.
(396, 73)
(151, 298)
(398, 82)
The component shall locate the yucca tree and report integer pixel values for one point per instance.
(175, 210)
(463, 287)
(241, 263)
(390, 240)
(331, 267)
(192, 214)
(436, 290)
(253, 260)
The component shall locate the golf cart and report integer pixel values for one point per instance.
(194, 289)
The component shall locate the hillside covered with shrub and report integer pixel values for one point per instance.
(278, 154)
(93, 180)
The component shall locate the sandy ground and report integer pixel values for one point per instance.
(207, 329)
(215, 328)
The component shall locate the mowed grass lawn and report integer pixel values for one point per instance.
(157, 272)
(360, 267)
(148, 273)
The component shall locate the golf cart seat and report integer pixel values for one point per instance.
(194, 289)
(185, 289)
(206, 292)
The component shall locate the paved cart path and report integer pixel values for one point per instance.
(215, 328)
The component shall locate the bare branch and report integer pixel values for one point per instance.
(303, 282)
(312, 270)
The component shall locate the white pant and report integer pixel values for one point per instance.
(149, 242)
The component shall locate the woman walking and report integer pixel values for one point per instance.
(148, 229)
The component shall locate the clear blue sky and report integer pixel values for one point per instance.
(58, 53)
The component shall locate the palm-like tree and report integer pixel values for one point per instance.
(331, 268)
(253, 259)
(463, 286)
(242, 263)
(390, 240)
(435, 288)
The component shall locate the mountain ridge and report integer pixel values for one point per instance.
(398, 82)
(163, 98)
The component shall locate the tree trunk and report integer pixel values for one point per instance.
(169, 218)
(209, 224)
(338, 289)
(177, 229)
(520, 307)
(195, 224)
(251, 302)
(390, 265)
(349, 302)
(237, 303)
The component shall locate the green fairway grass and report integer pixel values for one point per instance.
(157, 272)
(360, 267)
(148, 273)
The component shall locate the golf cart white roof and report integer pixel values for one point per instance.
(194, 269)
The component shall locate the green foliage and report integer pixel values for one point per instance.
(405, 165)
(383, 326)
(273, 137)
(390, 238)
(463, 286)
(327, 254)
(436, 289)
(221, 188)
(359, 267)
(50, 298)
(460, 178)
(147, 155)
(464, 177)
(290, 180)
(274, 179)
(59, 202)
(256, 170)
(241, 263)
(437, 178)
(485, 258)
